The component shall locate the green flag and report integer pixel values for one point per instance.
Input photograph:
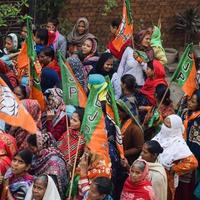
(73, 92)
(112, 102)
(185, 74)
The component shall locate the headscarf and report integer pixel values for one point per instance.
(33, 107)
(138, 46)
(49, 79)
(150, 84)
(51, 191)
(56, 104)
(171, 140)
(75, 38)
(21, 135)
(14, 41)
(10, 143)
(140, 190)
(89, 61)
(127, 109)
(49, 160)
(77, 68)
(156, 38)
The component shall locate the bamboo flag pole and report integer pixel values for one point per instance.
(68, 140)
(74, 167)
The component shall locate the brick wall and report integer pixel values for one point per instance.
(145, 13)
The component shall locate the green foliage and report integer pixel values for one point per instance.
(109, 5)
(11, 11)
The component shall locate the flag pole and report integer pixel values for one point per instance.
(74, 167)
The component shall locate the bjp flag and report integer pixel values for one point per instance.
(13, 112)
(185, 74)
(124, 32)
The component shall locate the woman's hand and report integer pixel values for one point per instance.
(50, 114)
(84, 164)
(124, 163)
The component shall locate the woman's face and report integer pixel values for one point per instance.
(167, 122)
(39, 188)
(81, 28)
(75, 122)
(193, 103)
(18, 93)
(149, 72)
(94, 194)
(146, 155)
(9, 44)
(33, 149)
(146, 40)
(108, 65)
(43, 59)
(18, 165)
(23, 32)
(135, 173)
(87, 47)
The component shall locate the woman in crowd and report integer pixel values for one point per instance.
(166, 108)
(176, 157)
(55, 115)
(73, 137)
(79, 33)
(48, 159)
(132, 133)
(8, 149)
(150, 151)
(191, 120)
(88, 55)
(155, 73)
(156, 44)
(22, 92)
(137, 185)
(91, 166)
(77, 67)
(33, 107)
(17, 180)
(142, 41)
(50, 73)
(100, 188)
(43, 188)
(104, 65)
(8, 75)
(130, 93)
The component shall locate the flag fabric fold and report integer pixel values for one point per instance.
(113, 114)
(185, 74)
(93, 125)
(13, 112)
(36, 91)
(124, 32)
(73, 92)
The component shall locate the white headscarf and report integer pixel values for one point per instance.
(50, 193)
(171, 140)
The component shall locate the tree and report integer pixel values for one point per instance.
(11, 11)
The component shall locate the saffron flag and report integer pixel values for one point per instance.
(93, 125)
(124, 32)
(73, 92)
(23, 59)
(185, 74)
(36, 91)
(113, 114)
(13, 112)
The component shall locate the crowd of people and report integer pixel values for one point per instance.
(161, 142)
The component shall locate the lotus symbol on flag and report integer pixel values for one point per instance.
(8, 103)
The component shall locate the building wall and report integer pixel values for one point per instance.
(145, 12)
